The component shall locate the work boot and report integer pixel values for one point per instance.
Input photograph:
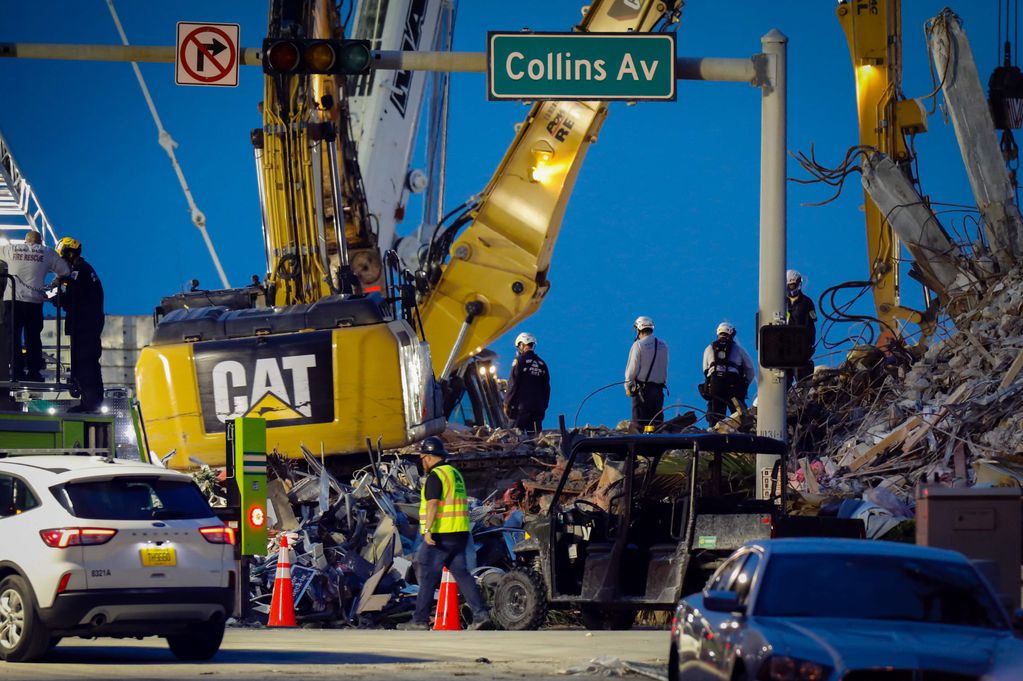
(413, 626)
(481, 622)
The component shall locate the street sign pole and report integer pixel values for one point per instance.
(771, 385)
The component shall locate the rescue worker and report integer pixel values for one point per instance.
(646, 376)
(529, 386)
(728, 371)
(82, 300)
(28, 263)
(800, 312)
(5, 336)
(444, 524)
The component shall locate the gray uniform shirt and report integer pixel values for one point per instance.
(28, 264)
(640, 357)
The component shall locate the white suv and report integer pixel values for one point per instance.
(91, 546)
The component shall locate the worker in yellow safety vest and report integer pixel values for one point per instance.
(444, 525)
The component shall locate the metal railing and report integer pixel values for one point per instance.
(18, 200)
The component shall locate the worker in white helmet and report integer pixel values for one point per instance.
(800, 311)
(529, 386)
(646, 376)
(728, 371)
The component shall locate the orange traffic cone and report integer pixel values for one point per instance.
(282, 605)
(447, 605)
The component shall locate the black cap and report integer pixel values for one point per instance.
(432, 446)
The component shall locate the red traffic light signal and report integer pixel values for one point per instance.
(306, 56)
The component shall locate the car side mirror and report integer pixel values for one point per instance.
(723, 601)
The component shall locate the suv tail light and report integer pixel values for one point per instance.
(218, 534)
(63, 537)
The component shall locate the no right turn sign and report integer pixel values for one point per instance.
(207, 54)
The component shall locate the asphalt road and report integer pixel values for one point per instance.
(258, 654)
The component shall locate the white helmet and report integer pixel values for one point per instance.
(793, 277)
(525, 338)
(725, 328)
(643, 323)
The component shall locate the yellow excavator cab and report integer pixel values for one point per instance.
(331, 373)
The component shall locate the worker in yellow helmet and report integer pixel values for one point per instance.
(82, 300)
(444, 524)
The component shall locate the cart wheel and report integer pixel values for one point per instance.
(520, 600)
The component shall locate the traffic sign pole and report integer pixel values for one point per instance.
(771, 386)
(725, 69)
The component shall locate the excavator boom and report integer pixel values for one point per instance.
(496, 274)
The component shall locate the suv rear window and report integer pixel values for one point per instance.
(133, 498)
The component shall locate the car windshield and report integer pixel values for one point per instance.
(876, 588)
(133, 498)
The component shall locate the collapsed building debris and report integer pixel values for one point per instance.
(890, 418)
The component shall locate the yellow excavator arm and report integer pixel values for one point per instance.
(316, 221)
(496, 274)
(874, 33)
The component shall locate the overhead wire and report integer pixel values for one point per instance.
(169, 145)
(575, 421)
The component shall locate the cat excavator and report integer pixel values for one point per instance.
(340, 343)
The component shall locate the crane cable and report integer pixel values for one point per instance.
(169, 145)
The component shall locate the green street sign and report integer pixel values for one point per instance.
(589, 66)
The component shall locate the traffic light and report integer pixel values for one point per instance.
(784, 346)
(284, 56)
(246, 468)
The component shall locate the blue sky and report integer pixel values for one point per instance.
(663, 220)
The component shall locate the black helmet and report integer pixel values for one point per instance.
(432, 446)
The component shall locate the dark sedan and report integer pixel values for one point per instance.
(831, 609)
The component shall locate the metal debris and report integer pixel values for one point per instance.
(354, 542)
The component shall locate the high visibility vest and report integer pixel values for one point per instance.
(453, 512)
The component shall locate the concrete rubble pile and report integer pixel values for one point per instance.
(886, 420)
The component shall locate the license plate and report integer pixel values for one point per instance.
(158, 557)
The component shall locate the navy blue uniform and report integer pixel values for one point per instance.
(83, 301)
(529, 391)
(800, 311)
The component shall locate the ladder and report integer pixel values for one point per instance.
(18, 201)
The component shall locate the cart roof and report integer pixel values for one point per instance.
(654, 444)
